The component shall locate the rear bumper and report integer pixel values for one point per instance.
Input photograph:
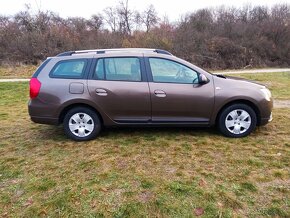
(45, 120)
(42, 113)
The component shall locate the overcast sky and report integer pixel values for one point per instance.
(85, 8)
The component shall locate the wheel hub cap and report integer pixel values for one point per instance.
(238, 121)
(81, 124)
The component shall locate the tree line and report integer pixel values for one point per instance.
(217, 38)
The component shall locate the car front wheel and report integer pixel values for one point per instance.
(81, 124)
(237, 120)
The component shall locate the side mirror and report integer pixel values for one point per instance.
(202, 79)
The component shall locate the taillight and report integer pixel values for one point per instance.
(34, 87)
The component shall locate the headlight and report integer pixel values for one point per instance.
(267, 94)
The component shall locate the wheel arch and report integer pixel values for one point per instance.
(240, 101)
(73, 105)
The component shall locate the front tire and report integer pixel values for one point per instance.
(237, 120)
(81, 124)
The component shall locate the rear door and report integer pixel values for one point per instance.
(119, 87)
(176, 95)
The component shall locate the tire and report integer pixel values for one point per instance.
(237, 120)
(81, 124)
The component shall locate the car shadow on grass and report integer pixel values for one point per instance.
(202, 131)
(56, 133)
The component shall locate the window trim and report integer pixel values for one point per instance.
(150, 74)
(94, 76)
(83, 74)
(95, 62)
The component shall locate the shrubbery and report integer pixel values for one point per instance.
(212, 38)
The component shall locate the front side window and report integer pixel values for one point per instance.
(69, 69)
(167, 71)
(124, 69)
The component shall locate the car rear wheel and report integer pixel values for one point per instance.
(81, 124)
(237, 120)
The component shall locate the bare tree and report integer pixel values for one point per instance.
(149, 17)
(138, 20)
(111, 18)
(126, 17)
(96, 22)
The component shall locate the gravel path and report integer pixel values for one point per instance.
(278, 70)
(14, 80)
(281, 103)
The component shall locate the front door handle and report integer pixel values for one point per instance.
(101, 92)
(160, 93)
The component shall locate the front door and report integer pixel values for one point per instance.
(176, 95)
(118, 88)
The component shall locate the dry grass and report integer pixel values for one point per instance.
(175, 172)
(15, 72)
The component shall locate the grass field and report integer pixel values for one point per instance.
(278, 83)
(169, 172)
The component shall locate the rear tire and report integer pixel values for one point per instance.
(237, 120)
(81, 124)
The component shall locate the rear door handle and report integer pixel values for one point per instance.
(160, 93)
(101, 92)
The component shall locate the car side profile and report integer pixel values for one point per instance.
(89, 89)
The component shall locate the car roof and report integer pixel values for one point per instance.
(115, 51)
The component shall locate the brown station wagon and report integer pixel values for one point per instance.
(86, 90)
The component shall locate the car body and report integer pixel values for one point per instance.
(141, 87)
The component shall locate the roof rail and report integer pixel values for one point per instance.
(67, 53)
(103, 51)
(161, 51)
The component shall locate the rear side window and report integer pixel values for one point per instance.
(69, 69)
(118, 69)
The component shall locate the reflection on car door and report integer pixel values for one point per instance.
(119, 89)
(176, 95)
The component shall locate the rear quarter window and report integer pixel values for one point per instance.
(69, 69)
(40, 68)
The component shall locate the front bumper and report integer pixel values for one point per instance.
(264, 121)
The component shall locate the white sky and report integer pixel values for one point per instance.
(85, 8)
